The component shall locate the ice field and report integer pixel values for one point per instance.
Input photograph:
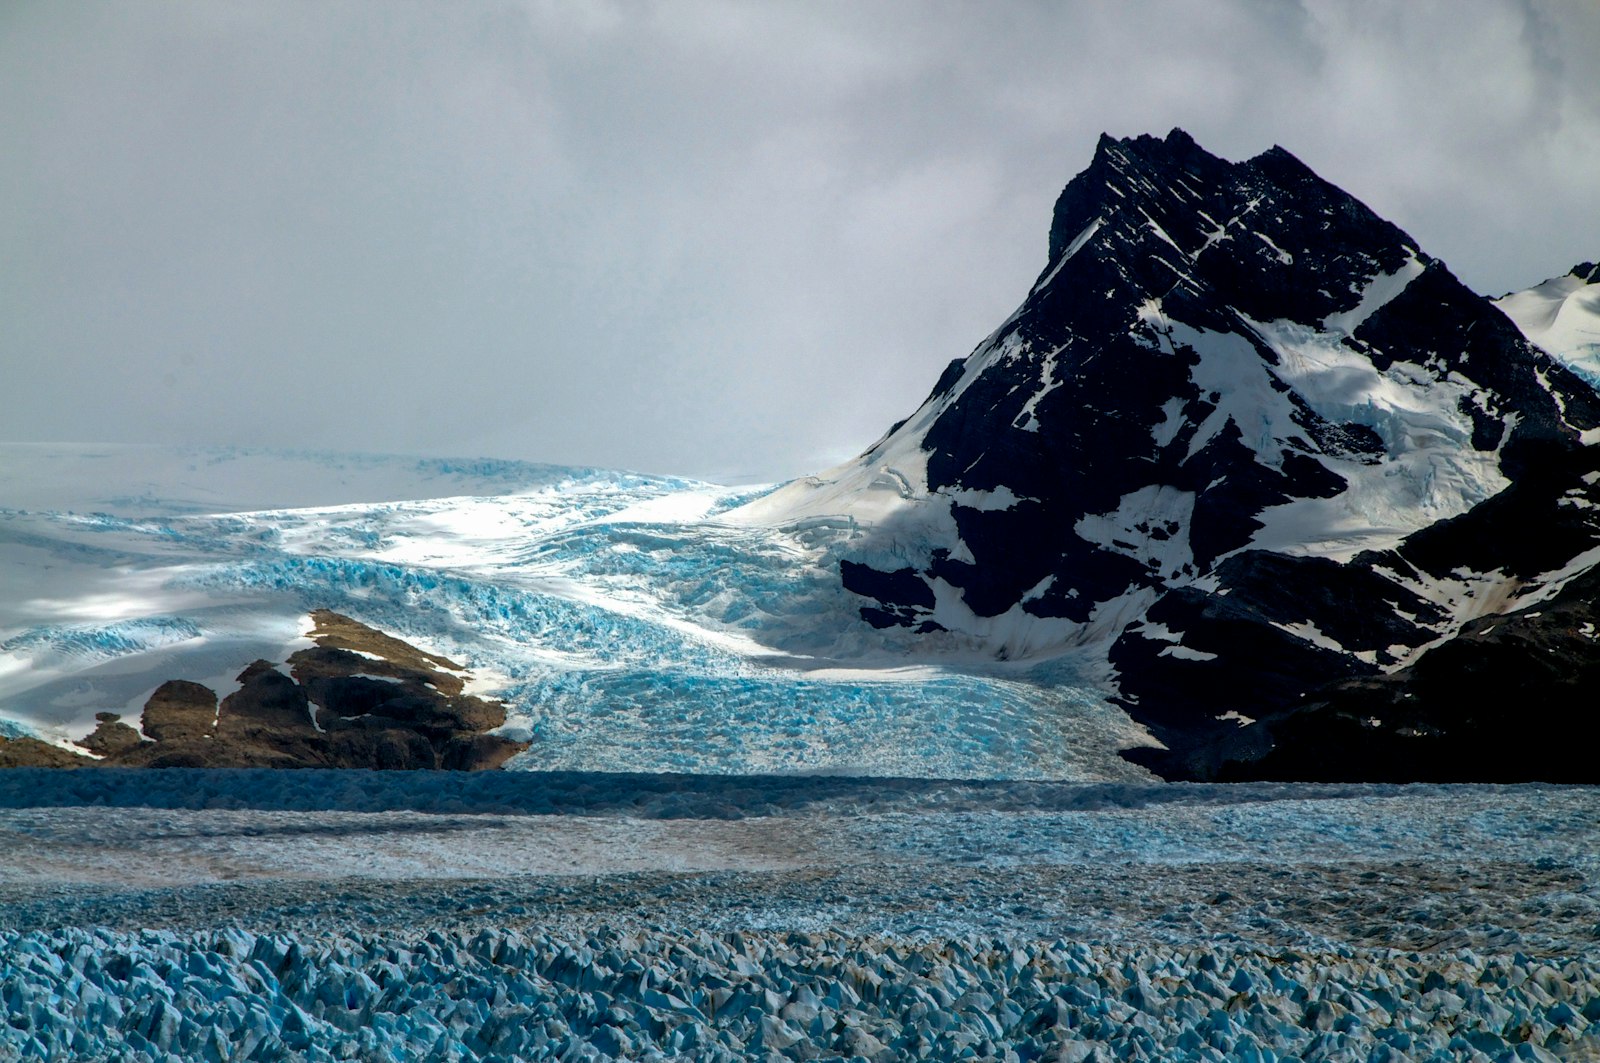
(627, 625)
(360, 915)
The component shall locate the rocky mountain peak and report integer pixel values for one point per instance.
(1231, 440)
(1267, 235)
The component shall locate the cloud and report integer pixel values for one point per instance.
(716, 238)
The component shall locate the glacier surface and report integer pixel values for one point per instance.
(366, 915)
(626, 620)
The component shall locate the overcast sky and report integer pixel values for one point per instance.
(733, 240)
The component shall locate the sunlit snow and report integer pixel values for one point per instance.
(1562, 315)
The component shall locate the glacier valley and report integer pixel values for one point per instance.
(626, 621)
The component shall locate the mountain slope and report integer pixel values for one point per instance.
(1242, 438)
(1247, 466)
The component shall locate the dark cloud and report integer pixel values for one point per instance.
(715, 238)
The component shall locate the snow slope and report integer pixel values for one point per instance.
(626, 622)
(1562, 315)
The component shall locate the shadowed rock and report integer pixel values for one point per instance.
(478, 752)
(1459, 713)
(386, 748)
(268, 701)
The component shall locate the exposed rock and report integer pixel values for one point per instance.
(474, 714)
(345, 695)
(478, 752)
(335, 631)
(387, 704)
(27, 752)
(268, 702)
(377, 746)
(1460, 713)
(111, 736)
(380, 703)
(180, 710)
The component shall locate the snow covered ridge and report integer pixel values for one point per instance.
(1242, 439)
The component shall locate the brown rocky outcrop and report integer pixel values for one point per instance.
(357, 699)
(32, 753)
(111, 737)
(477, 752)
(180, 710)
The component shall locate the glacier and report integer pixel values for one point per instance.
(630, 622)
(253, 914)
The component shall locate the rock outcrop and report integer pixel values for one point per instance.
(357, 699)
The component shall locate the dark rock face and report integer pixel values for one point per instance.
(1523, 543)
(1508, 699)
(379, 702)
(477, 752)
(1247, 438)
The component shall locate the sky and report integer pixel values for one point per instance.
(727, 240)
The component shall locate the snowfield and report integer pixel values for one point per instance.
(1562, 315)
(360, 915)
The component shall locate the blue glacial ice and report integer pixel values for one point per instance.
(907, 919)
(104, 641)
(616, 994)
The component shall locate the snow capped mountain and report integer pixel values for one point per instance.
(1241, 439)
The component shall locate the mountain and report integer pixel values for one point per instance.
(1243, 440)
